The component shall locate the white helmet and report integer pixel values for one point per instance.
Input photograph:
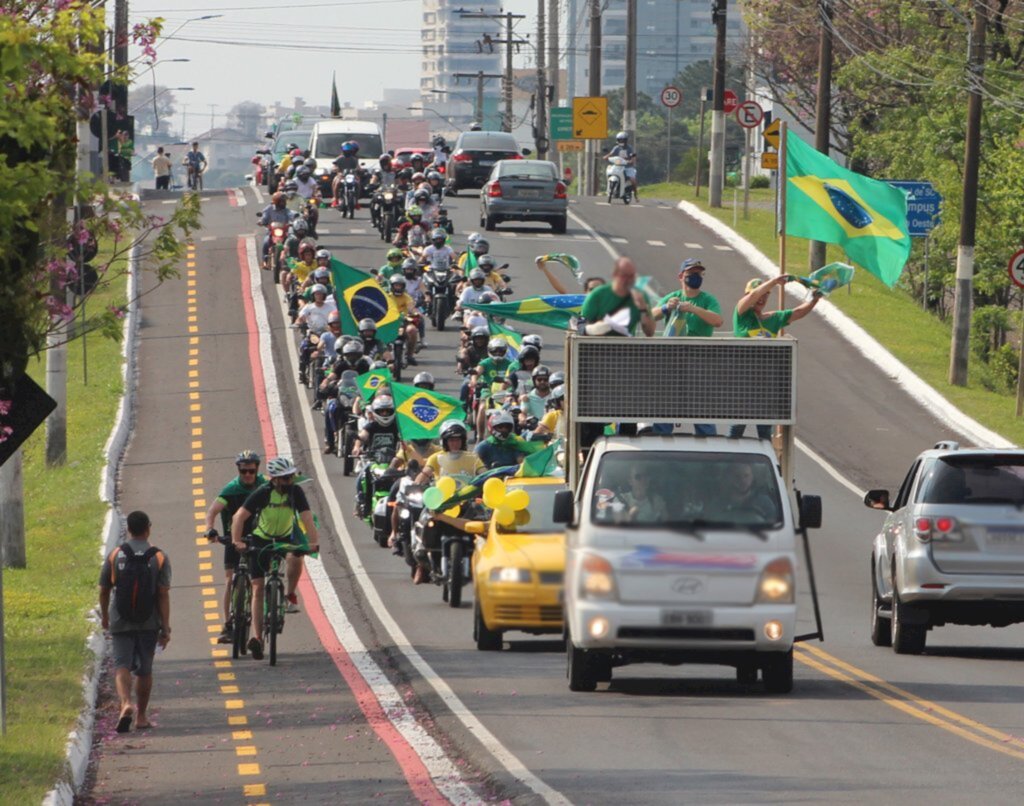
(384, 409)
(622, 137)
(281, 466)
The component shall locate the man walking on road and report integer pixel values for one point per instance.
(162, 169)
(139, 575)
(226, 505)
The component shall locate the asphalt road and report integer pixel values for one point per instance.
(862, 723)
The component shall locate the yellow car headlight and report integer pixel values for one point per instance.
(510, 575)
(776, 583)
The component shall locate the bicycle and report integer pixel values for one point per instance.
(273, 593)
(195, 178)
(239, 602)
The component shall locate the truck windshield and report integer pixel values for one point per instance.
(686, 490)
(974, 479)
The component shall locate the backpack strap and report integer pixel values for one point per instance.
(112, 559)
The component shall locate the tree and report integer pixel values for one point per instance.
(246, 117)
(142, 101)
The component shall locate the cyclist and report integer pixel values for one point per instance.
(196, 164)
(275, 506)
(226, 504)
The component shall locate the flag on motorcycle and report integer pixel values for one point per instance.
(335, 103)
(420, 412)
(866, 217)
(542, 463)
(553, 310)
(370, 382)
(470, 262)
(363, 298)
(569, 261)
(508, 335)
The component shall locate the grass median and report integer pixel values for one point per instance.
(47, 602)
(917, 338)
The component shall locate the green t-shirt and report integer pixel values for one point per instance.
(276, 512)
(492, 370)
(387, 270)
(689, 324)
(748, 325)
(232, 497)
(603, 301)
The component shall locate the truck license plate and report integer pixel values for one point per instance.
(686, 618)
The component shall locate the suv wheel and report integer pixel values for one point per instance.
(907, 639)
(881, 627)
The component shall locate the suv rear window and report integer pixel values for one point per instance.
(977, 479)
(488, 141)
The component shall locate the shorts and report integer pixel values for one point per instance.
(134, 650)
(259, 558)
(230, 556)
(630, 172)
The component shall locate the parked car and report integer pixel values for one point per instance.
(475, 154)
(524, 190)
(951, 550)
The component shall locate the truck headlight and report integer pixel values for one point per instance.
(597, 579)
(776, 583)
(509, 575)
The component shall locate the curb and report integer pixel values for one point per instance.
(79, 743)
(862, 341)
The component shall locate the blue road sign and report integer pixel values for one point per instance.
(924, 205)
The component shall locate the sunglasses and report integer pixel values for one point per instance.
(247, 471)
(289, 477)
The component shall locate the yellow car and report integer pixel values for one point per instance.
(518, 569)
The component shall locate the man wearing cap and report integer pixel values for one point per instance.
(689, 312)
(750, 321)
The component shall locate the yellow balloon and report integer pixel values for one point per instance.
(517, 499)
(504, 516)
(494, 493)
(453, 512)
(447, 486)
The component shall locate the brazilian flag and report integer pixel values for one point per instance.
(866, 217)
(420, 411)
(553, 310)
(359, 296)
(506, 334)
(370, 382)
(541, 463)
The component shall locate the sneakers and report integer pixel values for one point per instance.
(328, 449)
(291, 603)
(225, 636)
(256, 648)
(412, 362)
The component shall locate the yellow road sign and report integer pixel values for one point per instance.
(590, 118)
(771, 133)
(770, 160)
(566, 146)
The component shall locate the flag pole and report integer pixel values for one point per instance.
(783, 134)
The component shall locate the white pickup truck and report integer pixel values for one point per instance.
(681, 549)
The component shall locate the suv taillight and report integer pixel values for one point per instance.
(494, 190)
(461, 156)
(559, 190)
(923, 529)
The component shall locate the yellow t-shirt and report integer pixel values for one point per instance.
(408, 452)
(445, 464)
(302, 270)
(494, 280)
(406, 304)
(553, 422)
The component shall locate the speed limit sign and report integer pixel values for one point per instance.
(671, 97)
(1016, 268)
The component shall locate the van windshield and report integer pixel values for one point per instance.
(328, 145)
(686, 490)
(974, 479)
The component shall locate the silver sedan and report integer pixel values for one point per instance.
(524, 190)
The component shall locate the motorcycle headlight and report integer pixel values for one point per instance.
(510, 575)
(404, 513)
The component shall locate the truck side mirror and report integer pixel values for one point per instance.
(269, 136)
(810, 511)
(877, 499)
(564, 508)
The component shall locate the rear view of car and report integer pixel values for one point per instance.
(951, 550)
(524, 190)
(475, 154)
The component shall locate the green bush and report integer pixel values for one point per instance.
(1002, 367)
(760, 181)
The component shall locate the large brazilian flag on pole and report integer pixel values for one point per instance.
(553, 310)
(866, 217)
(359, 296)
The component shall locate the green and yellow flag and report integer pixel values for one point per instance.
(866, 217)
(541, 463)
(506, 334)
(370, 382)
(420, 412)
(359, 296)
(553, 310)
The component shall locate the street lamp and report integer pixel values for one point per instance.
(449, 121)
(156, 95)
(152, 69)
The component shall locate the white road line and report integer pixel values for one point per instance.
(620, 240)
(722, 247)
(655, 243)
(259, 194)
(693, 246)
(208, 238)
(441, 769)
(828, 468)
(581, 237)
(602, 204)
(323, 231)
(239, 194)
(169, 201)
(541, 235)
(603, 241)
(357, 232)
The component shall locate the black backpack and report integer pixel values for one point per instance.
(134, 582)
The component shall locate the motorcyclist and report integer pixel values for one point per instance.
(349, 358)
(413, 232)
(476, 245)
(382, 176)
(346, 162)
(519, 376)
(503, 448)
(296, 275)
(274, 213)
(314, 314)
(475, 350)
(552, 423)
(373, 348)
(406, 306)
(413, 279)
(440, 158)
(416, 162)
(623, 149)
(378, 437)
(474, 291)
(438, 255)
(395, 259)
(436, 185)
(299, 230)
(489, 266)
(489, 371)
(535, 403)
(290, 153)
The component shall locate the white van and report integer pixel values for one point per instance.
(328, 135)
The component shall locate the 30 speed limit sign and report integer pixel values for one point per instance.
(671, 97)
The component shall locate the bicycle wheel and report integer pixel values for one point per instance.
(241, 599)
(271, 616)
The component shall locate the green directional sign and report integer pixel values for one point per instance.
(561, 123)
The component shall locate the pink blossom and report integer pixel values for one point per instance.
(5, 407)
(58, 309)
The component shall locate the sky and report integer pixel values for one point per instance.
(286, 48)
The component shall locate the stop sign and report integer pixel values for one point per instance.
(731, 102)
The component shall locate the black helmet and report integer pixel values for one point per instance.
(440, 142)
(528, 352)
(247, 457)
(405, 173)
(480, 246)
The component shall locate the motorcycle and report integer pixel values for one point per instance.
(446, 552)
(392, 208)
(275, 255)
(309, 343)
(340, 405)
(410, 506)
(619, 186)
(349, 195)
(375, 480)
(443, 221)
(440, 283)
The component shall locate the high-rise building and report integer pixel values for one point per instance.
(456, 44)
(671, 34)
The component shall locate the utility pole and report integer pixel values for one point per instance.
(119, 87)
(629, 96)
(509, 41)
(964, 290)
(12, 513)
(553, 82)
(212, 107)
(541, 121)
(479, 77)
(594, 75)
(716, 174)
(822, 118)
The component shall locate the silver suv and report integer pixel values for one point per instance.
(951, 550)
